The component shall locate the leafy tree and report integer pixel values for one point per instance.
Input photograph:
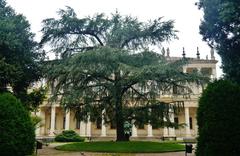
(19, 57)
(17, 135)
(100, 70)
(218, 120)
(36, 98)
(220, 28)
(70, 34)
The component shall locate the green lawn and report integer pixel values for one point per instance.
(123, 147)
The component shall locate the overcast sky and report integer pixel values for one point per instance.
(186, 15)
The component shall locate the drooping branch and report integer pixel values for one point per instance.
(115, 31)
(152, 33)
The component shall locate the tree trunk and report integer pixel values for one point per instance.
(118, 108)
(119, 120)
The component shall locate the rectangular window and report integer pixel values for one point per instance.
(206, 71)
(175, 90)
(78, 124)
(50, 122)
(113, 125)
(191, 70)
(190, 123)
(154, 126)
(176, 121)
(141, 126)
(55, 126)
(64, 121)
(99, 123)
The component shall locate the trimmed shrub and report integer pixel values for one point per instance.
(69, 136)
(218, 119)
(17, 133)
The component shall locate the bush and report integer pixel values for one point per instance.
(17, 133)
(69, 136)
(218, 119)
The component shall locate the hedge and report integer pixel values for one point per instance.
(68, 136)
(17, 133)
(218, 119)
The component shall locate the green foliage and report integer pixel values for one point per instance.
(117, 81)
(123, 147)
(127, 128)
(218, 120)
(36, 98)
(99, 68)
(70, 34)
(19, 56)
(68, 136)
(220, 28)
(17, 133)
(36, 120)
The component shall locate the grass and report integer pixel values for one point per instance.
(123, 147)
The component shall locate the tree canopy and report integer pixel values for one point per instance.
(19, 57)
(220, 28)
(105, 67)
(70, 34)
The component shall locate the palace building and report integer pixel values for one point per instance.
(55, 119)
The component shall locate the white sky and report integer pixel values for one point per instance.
(186, 15)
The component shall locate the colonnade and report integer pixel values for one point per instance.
(85, 127)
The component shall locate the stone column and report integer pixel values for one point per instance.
(184, 69)
(88, 127)
(165, 129)
(149, 130)
(196, 127)
(67, 119)
(83, 128)
(53, 116)
(149, 126)
(214, 73)
(171, 117)
(38, 128)
(188, 132)
(43, 122)
(134, 131)
(103, 126)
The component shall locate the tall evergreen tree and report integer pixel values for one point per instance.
(221, 29)
(100, 70)
(19, 57)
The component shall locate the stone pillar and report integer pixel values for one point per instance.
(43, 122)
(83, 128)
(88, 127)
(67, 119)
(184, 69)
(53, 116)
(134, 131)
(214, 73)
(188, 132)
(196, 127)
(165, 129)
(199, 88)
(171, 117)
(149, 130)
(103, 126)
(38, 128)
(149, 126)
